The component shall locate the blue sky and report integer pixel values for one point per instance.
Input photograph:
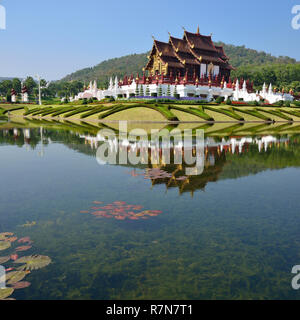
(54, 38)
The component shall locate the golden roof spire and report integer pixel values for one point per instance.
(198, 30)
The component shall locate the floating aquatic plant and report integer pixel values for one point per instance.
(33, 262)
(5, 293)
(23, 248)
(120, 210)
(4, 259)
(4, 235)
(28, 224)
(14, 276)
(4, 245)
(25, 240)
(21, 285)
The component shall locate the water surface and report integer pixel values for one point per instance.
(230, 233)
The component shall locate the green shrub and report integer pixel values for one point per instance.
(229, 102)
(287, 104)
(280, 103)
(254, 103)
(219, 100)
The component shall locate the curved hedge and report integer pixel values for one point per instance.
(2, 115)
(195, 112)
(276, 113)
(291, 113)
(95, 111)
(226, 112)
(254, 114)
(31, 111)
(41, 111)
(161, 109)
(78, 110)
(12, 109)
(59, 111)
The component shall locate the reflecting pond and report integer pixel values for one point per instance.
(151, 231)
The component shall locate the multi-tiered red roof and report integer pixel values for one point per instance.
(184, 56)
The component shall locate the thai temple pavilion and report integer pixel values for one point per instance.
(195, 56)
(189, 67)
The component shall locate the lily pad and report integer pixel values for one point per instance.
(4, 235)
(15, 276)
(5, 293)
(23, 248)
(21, 285)
(34, 262)
(4, 259)
(4, 245)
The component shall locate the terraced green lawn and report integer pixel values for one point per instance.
(155, 112)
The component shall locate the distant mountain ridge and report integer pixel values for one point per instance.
(8, 78)
(134, 63)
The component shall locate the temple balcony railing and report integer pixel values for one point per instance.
(204, 81)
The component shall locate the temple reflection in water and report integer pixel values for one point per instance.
(224, 156)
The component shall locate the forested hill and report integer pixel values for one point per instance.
(239, 56)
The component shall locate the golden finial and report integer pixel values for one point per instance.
(198, 30)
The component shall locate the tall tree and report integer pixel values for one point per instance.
(30, 84)
(16, 84)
